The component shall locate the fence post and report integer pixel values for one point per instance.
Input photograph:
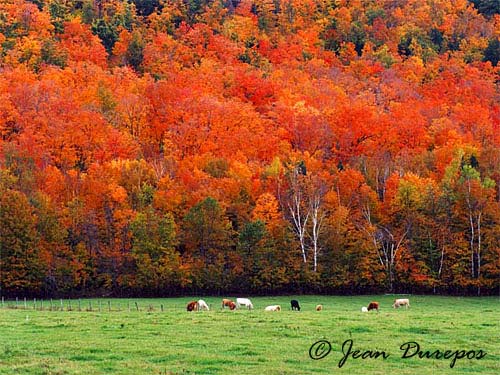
(62, 306)
(162, 307)
(51, 304)
(109, 306)
(90, 305)
(69, 306)
(2, 300)
(34, 303)
(17, 300)
(25, 305)
(79, 304)
(137, 306)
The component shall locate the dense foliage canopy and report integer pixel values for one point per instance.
(260, 146)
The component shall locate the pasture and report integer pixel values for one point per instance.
(175, 341)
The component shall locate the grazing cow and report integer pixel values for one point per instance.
(273, 308)
(319, 307)
(373, 306)
(226, 302)
(295, 304)
(232, 305)
(244, 302)
(401, 302)
(364, 309)
(192, 306)
(202, 305)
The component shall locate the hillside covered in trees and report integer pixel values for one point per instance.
(160, 147)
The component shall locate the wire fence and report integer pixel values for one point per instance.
(90, 305)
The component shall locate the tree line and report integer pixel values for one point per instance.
(182, 147)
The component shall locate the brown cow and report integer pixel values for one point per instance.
(373, 306)
(232, 305)
(227, 302)
(192, 306)
(319, 307)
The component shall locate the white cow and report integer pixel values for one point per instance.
(273, 308)
(244, 302)
(401, 302)
(202, 305)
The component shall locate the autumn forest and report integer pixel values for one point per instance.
(168, 147)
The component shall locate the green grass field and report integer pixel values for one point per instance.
(247, 342)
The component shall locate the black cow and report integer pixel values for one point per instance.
(295, 304)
